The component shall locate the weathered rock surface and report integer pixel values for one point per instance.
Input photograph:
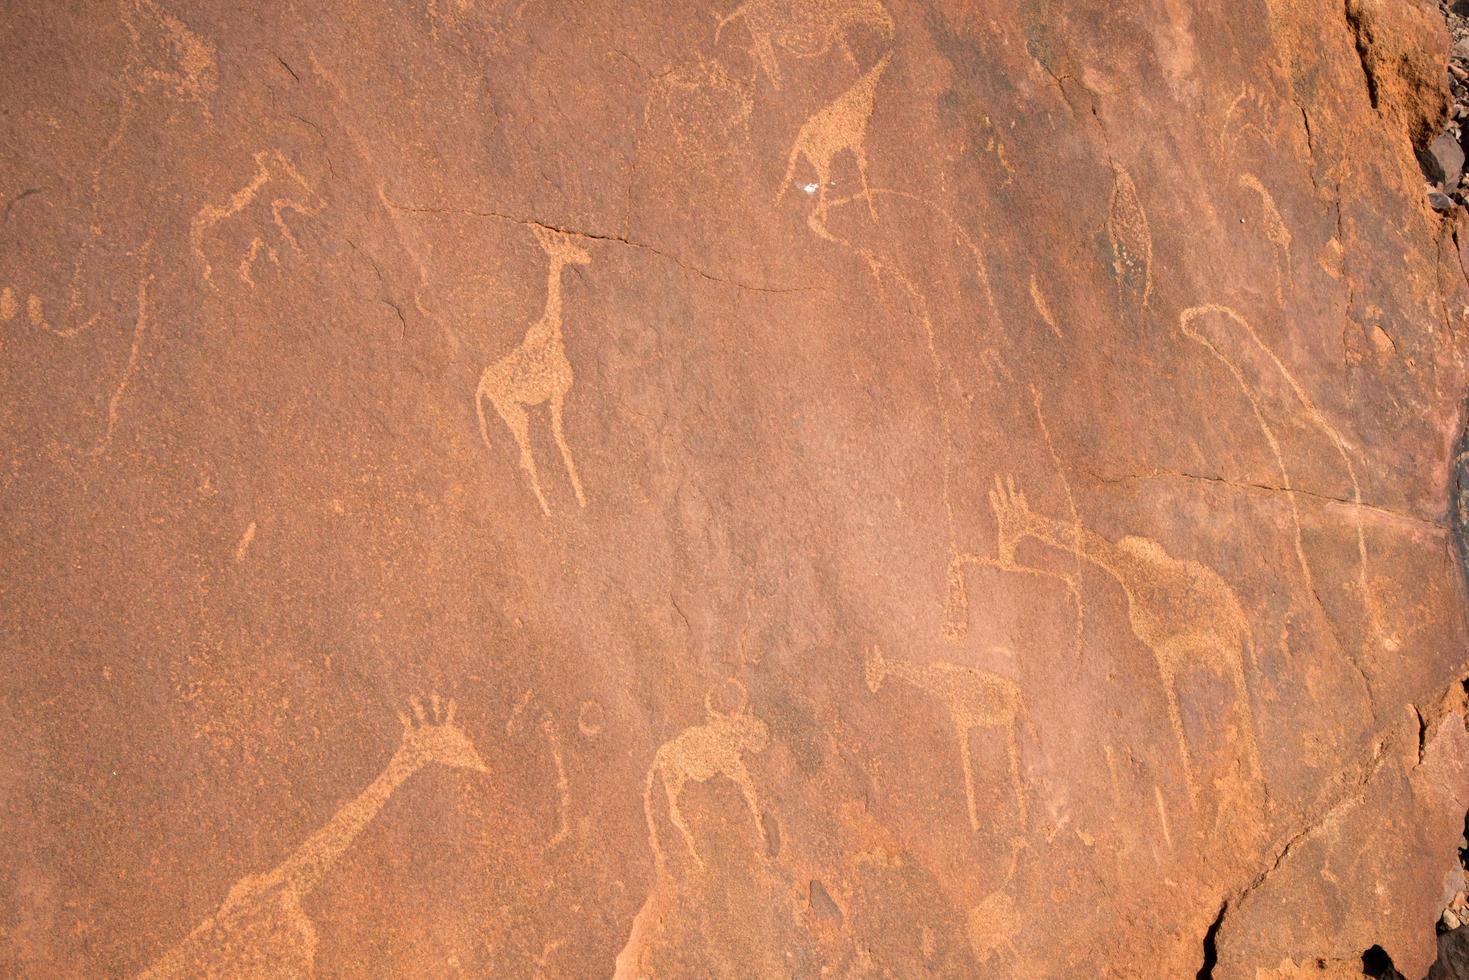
(792, 488)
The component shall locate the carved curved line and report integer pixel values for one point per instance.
(957, 627)
(1320, 421)
(1075, 514)
(1184, 320)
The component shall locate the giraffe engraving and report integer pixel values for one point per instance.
(1232, 347)
(261, 929)
(536, 372)
(842, 125)
(1181, 610)
(974, 699)
(698, 754)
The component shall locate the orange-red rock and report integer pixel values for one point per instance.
(792, 488)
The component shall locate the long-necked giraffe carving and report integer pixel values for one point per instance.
(842, 125)
(261, 929)
(975, 699)
(1181, 610)
(536, 372)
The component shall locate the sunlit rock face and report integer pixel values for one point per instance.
(787, 489)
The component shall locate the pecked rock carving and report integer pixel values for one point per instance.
(974, 699)
(1131, 238)
(275, 184)
(260, 928)
(840, 126)
(537, 371)
(1185, 614)
(806, 28)
(698, 754)
(1172, 266)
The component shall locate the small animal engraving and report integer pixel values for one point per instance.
(288, 191)
(975, 699)
(806, 28)
(700, 753)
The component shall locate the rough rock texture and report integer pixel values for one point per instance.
(792, 488)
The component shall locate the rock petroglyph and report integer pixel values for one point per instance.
(260, 929)
(536, 372)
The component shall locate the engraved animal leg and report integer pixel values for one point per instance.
(658, 857)
(861, 154)
(1176, 720)
(558, 403)
(797, 150)
(968, 765)
(1012, 745)
(747, 786)
(519, 424)
(673, 787)
(765, 55)
(1247, 716)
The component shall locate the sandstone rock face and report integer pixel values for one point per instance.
(782, 488)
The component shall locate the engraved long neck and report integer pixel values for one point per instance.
(912, 673)
(552, 317)
(1079, 541)
(306, 868)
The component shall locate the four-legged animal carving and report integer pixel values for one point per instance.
(975, 699)
(261, 929)
(807, 28)
(840, 126)
(1181, 610)
(288, 191)
(700, 753)
(536, 372)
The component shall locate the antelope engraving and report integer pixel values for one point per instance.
(536, 372)
(700, 753)
(261, 929)
(840, 126)
(974, 699)
(1181, 610)
(287, 190)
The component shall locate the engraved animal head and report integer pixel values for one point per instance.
(875, 670)
(430, 735)
(560, 245)
(747, 730)
(1013, 517)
